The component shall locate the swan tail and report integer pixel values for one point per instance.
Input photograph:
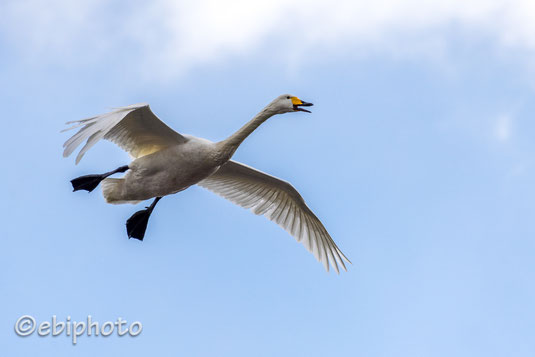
(113, 191)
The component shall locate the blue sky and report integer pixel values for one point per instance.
(418, 157)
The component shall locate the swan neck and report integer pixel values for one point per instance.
(228, 146)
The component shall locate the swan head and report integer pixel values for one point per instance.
(287, 103)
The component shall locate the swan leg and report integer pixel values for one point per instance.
(137, 223)
(90, 182)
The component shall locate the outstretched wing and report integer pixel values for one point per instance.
(134, 128)
(278, 201)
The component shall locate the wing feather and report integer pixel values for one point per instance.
(134, 128)
(281, 203)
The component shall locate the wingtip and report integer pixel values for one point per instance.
(336, 268)
(78, 158)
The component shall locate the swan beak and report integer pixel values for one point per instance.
(297, 103)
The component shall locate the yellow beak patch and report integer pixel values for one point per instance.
(296, 101)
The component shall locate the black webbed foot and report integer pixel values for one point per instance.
(87, 182)
(136, 225)
(90, 182)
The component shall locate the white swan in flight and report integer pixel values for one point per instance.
(166, 162)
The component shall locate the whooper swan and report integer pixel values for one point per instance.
(165, 162)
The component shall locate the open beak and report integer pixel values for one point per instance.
(298, 103)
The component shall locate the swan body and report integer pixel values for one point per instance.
(164, 172)
(166, 162)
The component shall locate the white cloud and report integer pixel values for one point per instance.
(503, 128)
(175, 36)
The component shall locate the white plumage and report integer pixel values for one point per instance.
(166, 162)
(134, 128)
(280, 202)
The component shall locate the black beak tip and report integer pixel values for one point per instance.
(297, 107)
